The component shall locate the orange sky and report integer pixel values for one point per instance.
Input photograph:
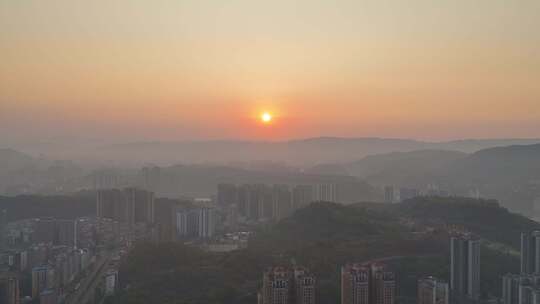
(207, 69)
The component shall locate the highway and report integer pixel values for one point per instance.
(85, 293)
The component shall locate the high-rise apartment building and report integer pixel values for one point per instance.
(389, 194)
(207, 222)
(325, 193)
(281, 202)
(465, 267)
(302, 196)
(9, 288)
(367, 284)
(304, 285)
(530, 252)
(529, 289)
(408, 193)
(520, 289)
(355, 284)
(130, 205)
(196, 222)
(42, 279)
(433, 291)
(165, 217)
(510, 288)
(382, 285)
(277, 286)
(283, 285)
(3, 225)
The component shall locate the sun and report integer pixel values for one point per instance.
(266, 117)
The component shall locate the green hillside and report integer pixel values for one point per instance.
(411, 238)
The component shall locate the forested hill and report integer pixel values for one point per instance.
(411, 237)
(485, 218)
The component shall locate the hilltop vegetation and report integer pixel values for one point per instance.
(323, 237)
(482, 217)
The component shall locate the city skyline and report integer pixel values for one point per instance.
(203, 70)
(270, 152)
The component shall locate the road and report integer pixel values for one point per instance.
(85, 293)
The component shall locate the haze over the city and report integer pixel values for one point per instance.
(122, 71)
(270, 152)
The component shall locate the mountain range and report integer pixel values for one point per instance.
(303, 152)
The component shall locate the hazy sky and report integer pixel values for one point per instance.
(133, 69)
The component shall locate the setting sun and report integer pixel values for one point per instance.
(266, 117)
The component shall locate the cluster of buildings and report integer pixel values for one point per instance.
(197, 222)
(9, 288)
(524, 288)
(129, 205)
(287, 285)
(45, 259)
(465, 267)
(163, 220)
(394, 194)
(432, 290)
(374, 283)
(47, 255)
(260, 202)
(41, 230)
(370, 283)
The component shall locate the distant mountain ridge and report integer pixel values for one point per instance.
(14, 160)
(302, 152)
(402, 164)
(510, 174)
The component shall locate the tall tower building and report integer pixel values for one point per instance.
(283, 285)
(528, 289)
(277, 286)
(9, 288)
(42, 279)
(130, 205)
(355, 284)
(432, 291)
(382, 285)
(302, 195)
(141, 205)
(325, 193)
(281, 201)
(304, 285)
(530, 252)
(252, 200)
(367, 284)
(266, 203)
(197, 222)
(3, 224)
(206, 221)
(389, 194)
(243, 200)
(187, 223)
(465, 267)
(510, 288)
